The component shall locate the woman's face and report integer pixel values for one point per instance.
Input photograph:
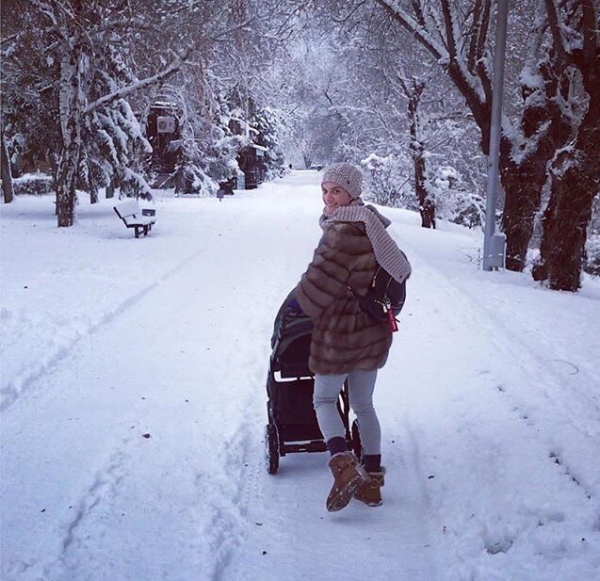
(334, 196)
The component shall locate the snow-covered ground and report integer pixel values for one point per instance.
(134, 406)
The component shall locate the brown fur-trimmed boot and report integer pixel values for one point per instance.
(370, 491)
(348, 476)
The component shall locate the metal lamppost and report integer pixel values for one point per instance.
(493, 244)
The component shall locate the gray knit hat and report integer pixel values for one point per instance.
(346, 175)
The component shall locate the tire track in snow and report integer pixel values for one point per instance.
(104, 485)
(243, 475)
(230, 521)
(74, 334)
(547, 371)
(554, 456)
(232, 489)
(107, 480)
(542, 408)
(549, 384)
(226, 509)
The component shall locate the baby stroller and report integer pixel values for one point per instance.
(293, 423)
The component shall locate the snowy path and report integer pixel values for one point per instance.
(132, 442)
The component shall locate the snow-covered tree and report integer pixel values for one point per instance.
(218, 95)
(81, 62)
(29, 95)
(379, 100)
(206, 148)
(547, 118)
(575, 168)
(269, 124)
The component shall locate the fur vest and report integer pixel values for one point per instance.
(344, 337)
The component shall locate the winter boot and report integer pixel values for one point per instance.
(348, 476)
(370, 491)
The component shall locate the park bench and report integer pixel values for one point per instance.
(134, 217)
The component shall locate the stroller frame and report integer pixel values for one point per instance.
(292, 423)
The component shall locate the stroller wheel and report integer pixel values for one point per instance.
(356, 443)
(272, 449)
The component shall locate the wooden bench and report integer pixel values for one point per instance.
(133, 216)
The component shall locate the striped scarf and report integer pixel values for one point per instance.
(385, 248)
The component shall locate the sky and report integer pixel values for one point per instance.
(133, 405)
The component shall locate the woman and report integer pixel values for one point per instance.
(346, 342)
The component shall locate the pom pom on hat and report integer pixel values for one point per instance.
(346, 175)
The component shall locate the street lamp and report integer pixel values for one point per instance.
(494, 244)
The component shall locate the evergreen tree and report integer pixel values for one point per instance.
(79, 67)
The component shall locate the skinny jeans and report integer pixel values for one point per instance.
(361, 385)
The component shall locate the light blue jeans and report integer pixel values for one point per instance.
(360, 394)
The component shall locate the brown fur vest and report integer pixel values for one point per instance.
(344, 338)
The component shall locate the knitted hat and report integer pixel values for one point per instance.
(346, 175)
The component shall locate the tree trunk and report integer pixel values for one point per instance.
(522, 181)
(71, 113)
(414, 92)
(565, 227)
(65, 188)
(575, 184)
(546, 128)
(427, 211)
(7, 184)
(110, 190)
(575, 171)
(523, 190)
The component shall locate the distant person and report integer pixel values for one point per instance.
(220, 193)
(346, 342)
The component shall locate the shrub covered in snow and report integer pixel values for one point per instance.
(35, 184)
(387, 181)
(454, 201)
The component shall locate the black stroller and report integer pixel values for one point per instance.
(293, 423)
